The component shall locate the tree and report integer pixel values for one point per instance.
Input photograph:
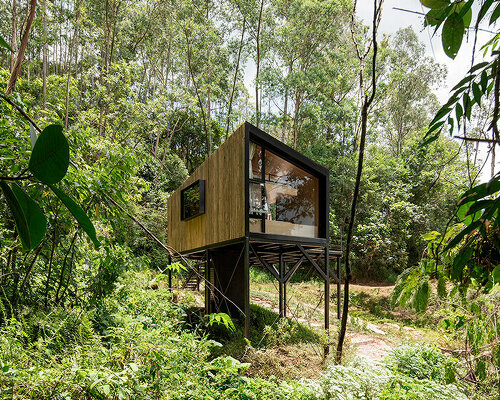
(406, 99)
(366, 99)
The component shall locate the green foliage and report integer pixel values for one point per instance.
(78, 213)
(362, 379)
(221, 319)
(49, 160)
(402, 387)
(422, 362)
(266, 330)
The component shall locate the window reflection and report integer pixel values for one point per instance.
(288, 197)
(255, 152)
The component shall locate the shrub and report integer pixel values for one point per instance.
(422, 362)
(403, 387)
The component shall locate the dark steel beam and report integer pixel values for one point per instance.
(313, 263)
(270, 268)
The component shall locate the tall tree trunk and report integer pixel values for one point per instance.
(72, 49)
(257, 105)
(22, 49)
(44, 61)
(230, 108)
(191, 74)
(13, 39)
(366, 103)
(285, 108)
(209, 111)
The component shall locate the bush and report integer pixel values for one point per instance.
(403, 387)
(422, 362)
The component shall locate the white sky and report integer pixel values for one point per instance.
(393, 20)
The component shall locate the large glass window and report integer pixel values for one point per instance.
(193, 200)
(283, 195)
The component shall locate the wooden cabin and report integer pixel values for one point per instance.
(254, 201)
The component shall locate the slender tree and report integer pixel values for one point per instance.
(366, 101)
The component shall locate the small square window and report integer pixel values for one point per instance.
(193, 200)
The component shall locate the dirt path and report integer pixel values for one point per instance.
(367, 338)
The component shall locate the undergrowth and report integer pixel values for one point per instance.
(136, 344)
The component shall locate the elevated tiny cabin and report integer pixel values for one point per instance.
(253, 201)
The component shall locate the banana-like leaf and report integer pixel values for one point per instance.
(18, 214)
(37, 223)
(80, 215)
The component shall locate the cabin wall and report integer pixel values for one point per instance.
(224, 218)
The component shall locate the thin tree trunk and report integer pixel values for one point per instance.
(44, 60)
(230, 108)
(63, 269)
(209, 111)
(49, 273)
(22, 48)
(285, 108)
(190, 69)
(493, 159)
(257, 105)
(13, 39)
(73, 44)
(366, 102)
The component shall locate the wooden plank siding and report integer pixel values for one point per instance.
(224, 218)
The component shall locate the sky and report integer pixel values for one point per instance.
(393, 19)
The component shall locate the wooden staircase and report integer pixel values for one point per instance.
(194, 278)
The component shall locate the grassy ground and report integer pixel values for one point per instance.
(144, 342)
(294, 348)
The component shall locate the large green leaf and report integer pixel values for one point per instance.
(484, 9)
(460, 260)
(435, 3)
(464, 232)
(82, 218)
(452, 36)
(37, 223)
(50, 157)
(3, 43)
(18, 214)
(495, 14)
(495, 274)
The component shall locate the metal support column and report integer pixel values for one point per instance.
(169, 273)
(338, 287)
(281, 287)
(198, 277)
(327, 289)
(246, 274)
(327, 297)
(283, 272)
(208, 289)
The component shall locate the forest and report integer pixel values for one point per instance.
(107, 107)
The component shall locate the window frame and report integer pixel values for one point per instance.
(201, 206)
(284, 152)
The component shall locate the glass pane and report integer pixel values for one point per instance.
(191, 201)
(293, 198)
(258, 201)
(255, 155)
